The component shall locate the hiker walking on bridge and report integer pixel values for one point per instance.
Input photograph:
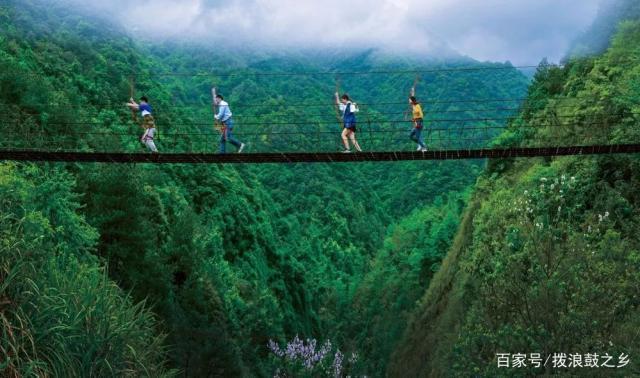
(418, 122)
(349, 110)
(148, 122)
(224, 117)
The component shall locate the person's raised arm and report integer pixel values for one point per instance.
(133, 105)
(213, 101)
(217, 114)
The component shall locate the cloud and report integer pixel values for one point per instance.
(522, 31)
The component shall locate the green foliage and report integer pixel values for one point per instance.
(400, 273)
(547, 258)
(60, 313)
(226, 258)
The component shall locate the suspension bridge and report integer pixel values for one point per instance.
(454, 129)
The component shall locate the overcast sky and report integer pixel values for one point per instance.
(521, 31)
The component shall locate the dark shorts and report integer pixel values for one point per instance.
(351, 126)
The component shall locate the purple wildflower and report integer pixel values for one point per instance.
(275, 348)
(307, 354)
(337, 364)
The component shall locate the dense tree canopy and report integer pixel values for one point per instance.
(546, 260)
(193, 270)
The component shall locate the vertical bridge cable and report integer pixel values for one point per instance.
(336, 106)
(132, 93)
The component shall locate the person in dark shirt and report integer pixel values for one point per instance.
(148, 122)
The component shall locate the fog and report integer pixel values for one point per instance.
(521, 31)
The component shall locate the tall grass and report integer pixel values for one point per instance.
(60, 317)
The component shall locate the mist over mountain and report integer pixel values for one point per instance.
(523, 32)
(597, 37)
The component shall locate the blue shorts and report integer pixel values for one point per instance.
(351, 126)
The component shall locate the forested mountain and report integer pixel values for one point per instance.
(546, 259)
(191, 270)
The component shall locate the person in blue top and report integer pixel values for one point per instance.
(349, 110)
(148, 122)
(224, 117)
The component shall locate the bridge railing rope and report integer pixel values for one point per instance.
(296, 137)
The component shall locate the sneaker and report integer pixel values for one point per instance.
(419, 148)
(241, 148)
(424, 149)
(346, 151)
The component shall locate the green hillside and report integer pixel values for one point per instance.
(409, 269)
(547, 257)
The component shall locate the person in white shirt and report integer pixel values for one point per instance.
(349, 110)
(224, 117)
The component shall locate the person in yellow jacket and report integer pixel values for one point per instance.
(418, 124)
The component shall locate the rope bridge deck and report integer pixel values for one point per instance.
(311, 157)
